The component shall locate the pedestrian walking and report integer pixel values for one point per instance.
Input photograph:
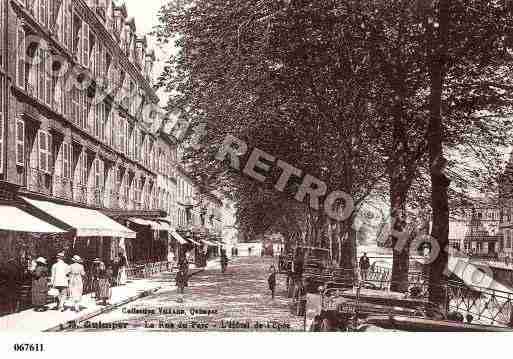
(224, 261)
(300, 298)
(249, 251)
(76, 282)
(94, 275)
(122, 269)
(115, 271)
(271, 280)
(181, 280)
(40, 285)
(104, 277)
(59, 281)
(364, 266)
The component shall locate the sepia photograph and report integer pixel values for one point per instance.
(255, 166)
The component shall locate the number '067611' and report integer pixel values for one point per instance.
(26, 347)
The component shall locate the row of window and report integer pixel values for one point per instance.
(107, 125)
(75, 35)
(102, 121)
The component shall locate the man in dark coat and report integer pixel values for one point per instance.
(224, 262)
(181, 280)
(364, 266)
(271, 280)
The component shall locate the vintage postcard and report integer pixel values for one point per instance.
(283, 166)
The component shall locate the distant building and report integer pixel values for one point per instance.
(482, 240)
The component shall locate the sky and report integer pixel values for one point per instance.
(145, 14)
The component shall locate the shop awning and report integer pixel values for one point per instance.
(140, 221)
(154, 224)
(174, 233)
(178, 237)
(87, 222)
(17, 220)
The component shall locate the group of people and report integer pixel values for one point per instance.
(64, 280)
(67, 281)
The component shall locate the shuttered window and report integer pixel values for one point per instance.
(45, 152)
(20, 57)
(98, 174)
(67, 160)
(84, 177)
(85, 45)
(20, 142)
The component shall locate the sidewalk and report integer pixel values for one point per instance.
(32, 321)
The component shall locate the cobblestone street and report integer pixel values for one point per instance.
(238, 300)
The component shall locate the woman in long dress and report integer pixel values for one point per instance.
(40, 285)
(76, 282)
(103, 289)
(122, 269)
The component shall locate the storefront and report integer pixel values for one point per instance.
(151, 243)
(23, 237)
(94, 234)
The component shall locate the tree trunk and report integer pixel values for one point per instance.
(401, 250)
(439, 182)
(347, 259)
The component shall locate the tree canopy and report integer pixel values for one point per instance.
(342, 90)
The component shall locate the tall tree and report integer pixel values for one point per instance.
(287, 78)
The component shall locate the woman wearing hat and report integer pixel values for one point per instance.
(40, 285)
(103, 283)
(76, 283)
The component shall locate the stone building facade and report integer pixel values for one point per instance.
(75, 89)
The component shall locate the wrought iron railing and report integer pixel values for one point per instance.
(62, 187)
(485, 305)
(98, 198)
(80, 193)
(39, 181)
(146, 270)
